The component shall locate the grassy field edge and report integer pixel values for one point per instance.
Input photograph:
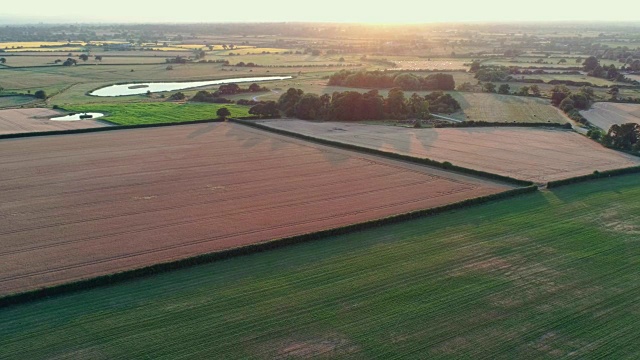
(593, 176)
(105, 280)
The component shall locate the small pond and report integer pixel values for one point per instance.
(142, 88)
(78, 117)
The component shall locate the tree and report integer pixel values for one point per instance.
(489, 87)
(580, 101)
(269, 109)
(504, 89)
(535, 90)
(84, 57)
(623, 136)
(3, 60)
(558, 93)
(254, 87)
(288, 100)
(562, 61)
(524, 91)
(308, 107)
(223, 112)
(69, 62)
(98, 57)
(590, 63)
(566, 105)
(40, 94)
(395, 105)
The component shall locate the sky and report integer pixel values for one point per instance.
(378, 11)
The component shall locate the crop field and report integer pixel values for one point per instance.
(15, 121)
(437, 64)
(11, 101)
(40, 60)
(506, 108)
(547, 275)
(605, 114)
(155, 113)
(582, 78)
(56, 79)
(533, 154)
(89, 204)
(31, 44)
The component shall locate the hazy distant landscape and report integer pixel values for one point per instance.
(332, 189)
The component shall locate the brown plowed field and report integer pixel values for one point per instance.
(82, 205)
(14, 121)
(533, 154)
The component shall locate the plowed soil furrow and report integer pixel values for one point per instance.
(92, 204)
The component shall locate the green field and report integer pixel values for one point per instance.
(12, 101)
(547, 275)
(155, 113)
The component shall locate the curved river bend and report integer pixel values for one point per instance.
(142, 88)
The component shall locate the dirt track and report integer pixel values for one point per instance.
(81, 205)
(14, 121)
(533, 154)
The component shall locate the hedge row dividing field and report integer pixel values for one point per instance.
(80, 206)
(545, 275)
(532, 154)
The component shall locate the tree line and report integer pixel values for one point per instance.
(356, 106)
(387, 80)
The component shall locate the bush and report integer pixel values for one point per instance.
(40, 94)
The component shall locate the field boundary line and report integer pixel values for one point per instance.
(391, 155)
(119, 277)
(595, 175)
(105, 128)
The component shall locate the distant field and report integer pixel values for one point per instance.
(64, 48)
(76, 206)
(15, 121)
(546, 275)
(32, 44)
(506, 108)
(530, 62)
(26, 60)
(153, 113)
(10, 101)
(533, 154)
(577, 78)
(605, 114)
(439, 64)
(57, 78)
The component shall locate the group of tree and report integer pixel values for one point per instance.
(225, 89)
(232, 89)
(386, 80)
(571, 103)
(177, 60)
(593, 68)
(69, 62)
(209, 97)
(356, 106)
(623, 137)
